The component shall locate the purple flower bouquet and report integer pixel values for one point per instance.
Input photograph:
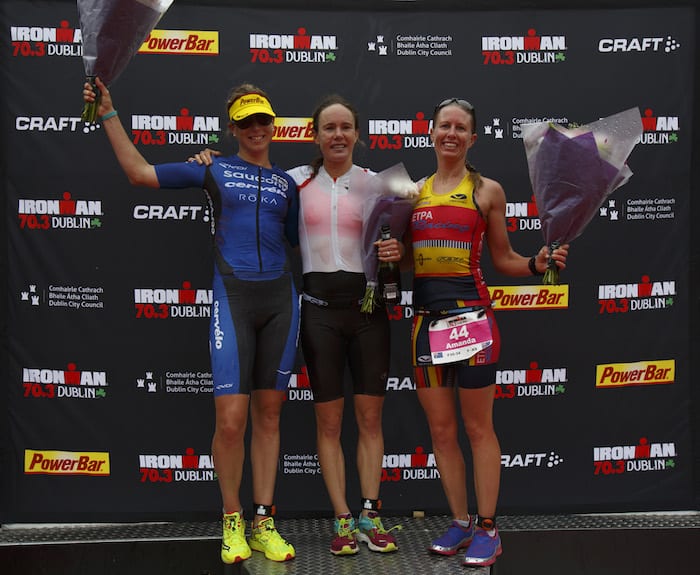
(113, 31)
(573, 171)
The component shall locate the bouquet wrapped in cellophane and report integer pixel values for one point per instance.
(113, 31)
(390, 197)
(573, 171)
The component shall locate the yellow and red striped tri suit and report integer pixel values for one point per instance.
(447, 235)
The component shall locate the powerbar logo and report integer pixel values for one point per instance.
(65, 463)
(530, 49)
(176, 468)
(531, 382)
(665, 44)
(642, 457)
(506, 298)
(66, 213)
(525, 460)
(163, 303)
(301, 47)
(409, 466)
(186, 42)
(659, 129)
(295, 130)
(522, 216)
(41, 41)
(184, 128)
(71, 382)
(642, 296)
(653, 372)
(398, 134)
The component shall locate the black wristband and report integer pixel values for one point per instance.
(533, 267)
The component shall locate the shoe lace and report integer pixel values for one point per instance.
(377, 525)
(233, 526)
(268, 534)
(345, 527)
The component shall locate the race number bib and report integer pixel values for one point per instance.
(459, 337)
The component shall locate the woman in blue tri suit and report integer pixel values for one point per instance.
(255, 310)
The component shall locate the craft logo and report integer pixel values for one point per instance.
(532, 382)
(652, 372)
(174, 213)
(639, 209)
(642, 457)
(642, 296)
(522, 216)
(399, 134)
(530, 49)
(176, 468)
(400, 384)
(530, 297)
(176, 382)
(184, 42)
(49, 124)
(70, 297)
(412, 45)
(300, 464)
(409, 466)
(163, 303)
(658, 44)
(301, 47)
(66, 462)
(66, 213)
(41, 41)
(659, 129)
(299, 388)
(70, 382)
(527, 460)
(293, 130)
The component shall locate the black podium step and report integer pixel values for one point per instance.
(600, 544)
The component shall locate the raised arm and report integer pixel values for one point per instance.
(135, 166)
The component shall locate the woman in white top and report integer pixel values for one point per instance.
(334, 332)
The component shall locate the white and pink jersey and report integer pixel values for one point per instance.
(330, 218)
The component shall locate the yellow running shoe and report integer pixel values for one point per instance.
(234, 547)
(266, 538)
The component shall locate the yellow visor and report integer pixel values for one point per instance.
(248, 105)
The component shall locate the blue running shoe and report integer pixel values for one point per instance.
(456, 538)
(484, 549)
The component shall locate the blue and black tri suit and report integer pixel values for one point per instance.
(254, 324)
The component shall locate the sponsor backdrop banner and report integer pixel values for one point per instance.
(109, 390)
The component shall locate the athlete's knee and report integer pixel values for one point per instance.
(230, 431)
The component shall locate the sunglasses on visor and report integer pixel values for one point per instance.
(260, 119)
(463, 103)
